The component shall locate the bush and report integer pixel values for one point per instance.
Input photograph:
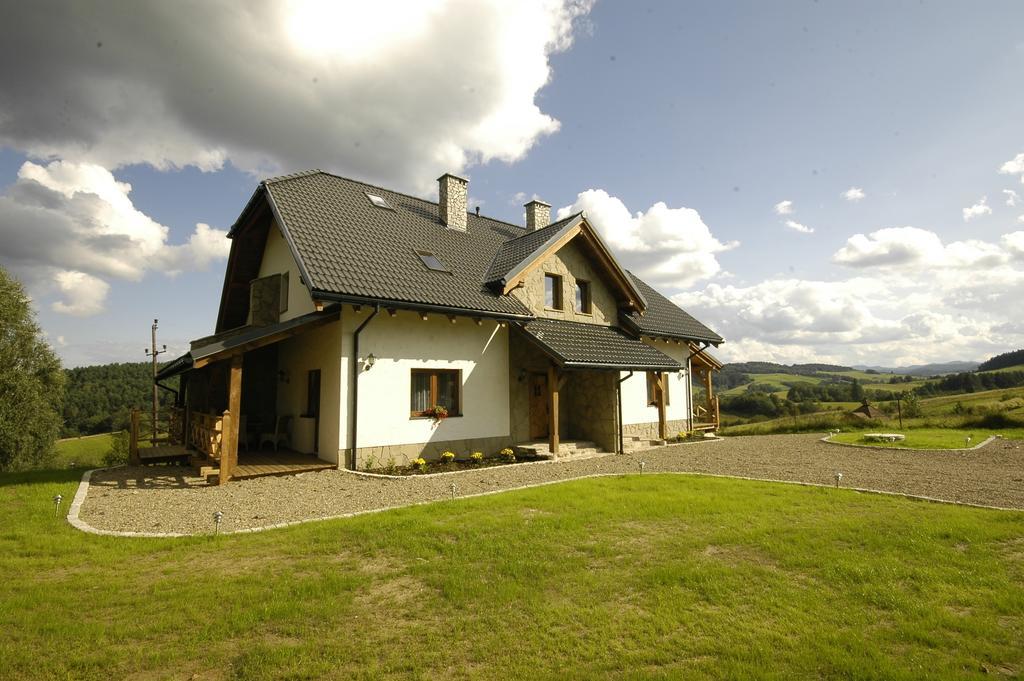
(447, 457)
(995, 421)
(419, 464)
(477, 457)
(508, 454)
(117, 455)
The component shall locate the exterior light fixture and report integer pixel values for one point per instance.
(838, 477)
(370, 361)
(282, 376)
(56, 505)
(642, 465)
(522, 375)
(453, 491)
(216, 521)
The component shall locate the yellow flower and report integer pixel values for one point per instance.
(448, 457)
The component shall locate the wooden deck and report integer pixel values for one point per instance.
(257, 464)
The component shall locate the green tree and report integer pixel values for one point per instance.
(31, 383)
(911, 405)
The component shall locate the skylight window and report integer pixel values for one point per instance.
(431, 261)
(379, 201)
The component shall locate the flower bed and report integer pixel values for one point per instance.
(449, 462)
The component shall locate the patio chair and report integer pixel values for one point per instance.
(280, 434)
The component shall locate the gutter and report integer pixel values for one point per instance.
(356, 370)
(618, 404)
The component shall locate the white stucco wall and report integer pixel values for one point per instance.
(406, 342)
(277, 259)
(319, 348)
(634, 389)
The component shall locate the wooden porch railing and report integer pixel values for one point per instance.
(206, 434)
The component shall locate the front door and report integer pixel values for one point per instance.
(538, 406)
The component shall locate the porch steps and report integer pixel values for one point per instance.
(568, 449)
(636, 443)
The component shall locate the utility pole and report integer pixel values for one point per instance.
(153, 353)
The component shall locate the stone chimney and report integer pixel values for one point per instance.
(538, 214)
(452, 195)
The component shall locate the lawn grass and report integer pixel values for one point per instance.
(930, 438)
(83, 452)
(633, 577)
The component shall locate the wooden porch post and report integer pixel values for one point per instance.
(232, 421)
(660, 388)
(707, 387)
(133, 437)
(553, 387)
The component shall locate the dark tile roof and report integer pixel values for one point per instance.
(665, 318)
(574, 344)
(349, 247)
(514, 253)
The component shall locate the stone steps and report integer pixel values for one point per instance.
(569, 449)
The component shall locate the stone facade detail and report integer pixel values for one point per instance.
(649, 431)
(452, 198)
(369, 458)
(538, 214)
(571, 264)
(591, 408)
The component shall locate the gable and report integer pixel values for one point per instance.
(572, 263)
(548, 241)
(248, 239)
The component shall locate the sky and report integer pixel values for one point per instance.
(816, 181)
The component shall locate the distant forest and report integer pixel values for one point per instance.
(98, 398)
(1007, 359)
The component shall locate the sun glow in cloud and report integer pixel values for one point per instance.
(355, 31)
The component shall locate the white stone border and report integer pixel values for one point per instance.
(828, 440)
(83, 488)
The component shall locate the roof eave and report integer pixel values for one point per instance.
(416, 306)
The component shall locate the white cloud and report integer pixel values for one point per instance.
(83, 293)
(784, 207)
(1014, 243)
(796, 226)
(888, 318)
(1011, 197)
(853, 194)
(915, 248)
(978, 209)
(1015, 166)
(389, 91)
(71, 227)
(668, 247)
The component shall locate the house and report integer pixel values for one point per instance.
(349, 313)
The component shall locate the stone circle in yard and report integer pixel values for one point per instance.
(884, 437)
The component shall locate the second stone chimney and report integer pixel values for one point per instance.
(538, 215)
(452, 192)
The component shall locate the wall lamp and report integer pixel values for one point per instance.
(282, 376)
(370, 361)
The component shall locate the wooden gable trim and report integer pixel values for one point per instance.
(553, 248)
(604, 259)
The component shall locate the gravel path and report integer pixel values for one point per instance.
(171, 500)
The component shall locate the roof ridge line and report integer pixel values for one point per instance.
(318, 171)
